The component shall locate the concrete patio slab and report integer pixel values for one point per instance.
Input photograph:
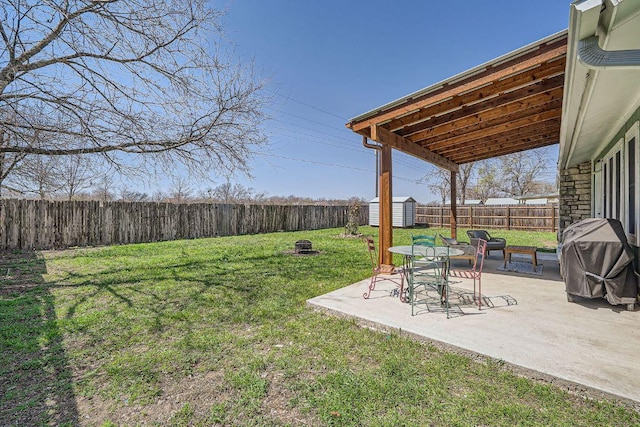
(587, 342)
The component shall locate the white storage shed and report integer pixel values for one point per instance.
(404, 212)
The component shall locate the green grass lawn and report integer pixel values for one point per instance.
(217, 332)
(545, 241)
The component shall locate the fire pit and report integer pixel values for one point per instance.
(303, 247)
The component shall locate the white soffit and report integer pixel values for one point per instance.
(598, 102)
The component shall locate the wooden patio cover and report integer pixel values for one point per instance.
(510, 104)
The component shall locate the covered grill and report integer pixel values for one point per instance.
(597, 261)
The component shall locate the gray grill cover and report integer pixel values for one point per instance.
(597, 261)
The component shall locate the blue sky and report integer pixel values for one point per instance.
(329, 61)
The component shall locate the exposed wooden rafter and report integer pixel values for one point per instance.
(507, 105)
(386, 137)
(490, 96)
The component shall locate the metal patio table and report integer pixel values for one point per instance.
(407, 251)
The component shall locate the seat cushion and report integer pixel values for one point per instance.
(449, 241)
(478, 234)
(495, 245)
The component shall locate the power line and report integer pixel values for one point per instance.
(414, 167)
(321, 140)
(322, 137)
(308, 120)
(314, 130)
(336, 165)
(289, 98)
(404, 162)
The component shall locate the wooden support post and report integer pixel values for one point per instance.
(385, 231)
(454, 207)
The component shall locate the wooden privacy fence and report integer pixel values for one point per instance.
(41, 224)
(518, 217)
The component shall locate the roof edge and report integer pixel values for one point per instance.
(579, 24)
(459, 76)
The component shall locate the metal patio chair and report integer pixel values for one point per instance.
(376, 268)
(493, 243)
(475, 272)
(469, 250)
(427, 273)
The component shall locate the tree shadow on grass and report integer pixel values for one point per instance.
(35, 377)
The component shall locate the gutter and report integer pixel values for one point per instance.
(591, 55)
(378, 148)
(367, 144)
(586, 33)
(583, 18)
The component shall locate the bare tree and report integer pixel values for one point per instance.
(159, 196)
(127, 195)
(440, 183)
(103, 188)
(522, 171)
(465, 172)
(235, 193)
(74, 174)
(36, 174)
(180, 191)
(8, 161)
(139, 78)
(488, 181)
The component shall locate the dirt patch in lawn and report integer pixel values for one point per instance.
(200, 399)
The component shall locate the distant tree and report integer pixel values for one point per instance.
(37, 175)
(8, 161)
(235, 193)
(104, 187)
(522, 172)
(463, 176)
(73, 174)
(11, 162)
(440, 183)
(488, 182)
(180, 191)
(139, 78)
(127, 195)
(543, 188)
(159, 196)
(515, 174)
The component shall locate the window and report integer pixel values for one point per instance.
(616, 178)
(598, 192)
(610, 189)
(631, 185)
(631, 166)
(604, 190)
(613, 178)
(617, 188)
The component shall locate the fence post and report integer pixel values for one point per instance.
(508, 218)
(470, 217)
(553, 218)
(441, 216)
